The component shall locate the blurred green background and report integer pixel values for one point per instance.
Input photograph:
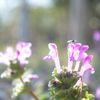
(44, 21)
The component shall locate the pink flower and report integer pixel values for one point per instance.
(76, 53)
(22, 51)
(81, 56)
(32, 76)
(2, 59)
(98, 93)
(96, 36)
(73, 53)
(87, 66)
(53, 54)
(7, 56)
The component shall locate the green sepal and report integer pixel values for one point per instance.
(69, 79)
(16, 74)
(63, 86)
(12, 74)
(14, 65)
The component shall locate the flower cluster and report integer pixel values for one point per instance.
(15, 60)
(68, 80)
(76, 53)
(22, 51)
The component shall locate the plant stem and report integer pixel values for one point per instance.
(31, 92)
(81, 89)
(33, 95)
(21, 80)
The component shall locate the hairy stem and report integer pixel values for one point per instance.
(81, 90)
(31, 92)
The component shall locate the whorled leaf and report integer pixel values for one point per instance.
(63, 86)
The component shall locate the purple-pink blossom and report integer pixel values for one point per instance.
(32, 76)
(76, 53)
(53, 54)
(23, 51)
(20, 53)
(98, 93)
(96, 36)
(86, 65)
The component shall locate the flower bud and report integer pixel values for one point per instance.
(54, 82)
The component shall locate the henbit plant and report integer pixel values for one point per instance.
(66, 82)
(15, 60)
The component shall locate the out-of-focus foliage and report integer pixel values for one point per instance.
(61, 3)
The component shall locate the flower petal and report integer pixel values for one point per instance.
(32, 76)
(77, 46)
(85, 67)
(82, 56)
(84, 48)
(52, 46)
(88, 58)
(47, 57)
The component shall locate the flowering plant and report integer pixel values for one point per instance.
(66, 83)
(15, 60)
